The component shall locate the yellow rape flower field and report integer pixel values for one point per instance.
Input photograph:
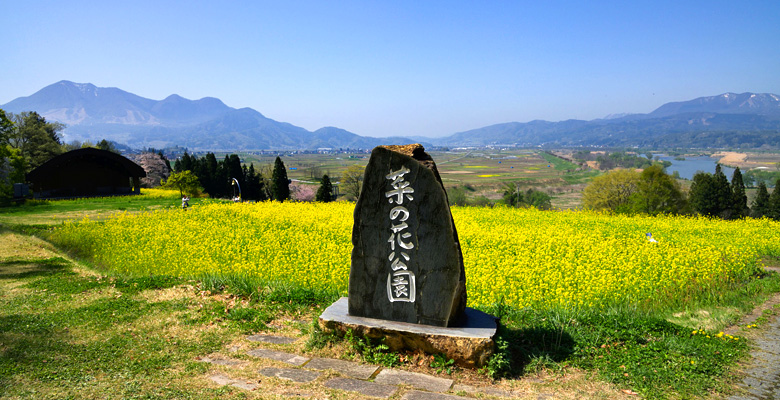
(522, 257)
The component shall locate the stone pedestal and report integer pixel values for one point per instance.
(470, 343)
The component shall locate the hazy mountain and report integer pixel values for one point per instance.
(94, 113)
(726, 103)
(747, 120)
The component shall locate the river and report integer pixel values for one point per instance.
(688, 167)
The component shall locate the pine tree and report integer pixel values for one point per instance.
(280, 185)
(702, 195)
(774, 202)
(760, 205)
(738, 196)
(325, 192)
(723, 196)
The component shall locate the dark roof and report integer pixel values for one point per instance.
(100, 156)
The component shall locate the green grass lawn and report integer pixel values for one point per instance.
(69, 330)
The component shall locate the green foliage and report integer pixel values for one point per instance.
(498, 365)
(442, 364)
(185, 182)
(37, 139)
(760, 205)
(616, 159)
(317, 338)
(774, 202)
(216, 177)
(6, 128)
(352, 180)
(325, 191)
(657, 193)
(702, 195)
(372, 352)
(516, 197)
(754, 177)
(280, 184)
(611, 191)
(457, 196)
(738, 195)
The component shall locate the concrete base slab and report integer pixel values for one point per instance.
(470, 344)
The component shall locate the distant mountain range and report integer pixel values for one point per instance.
(747, 120)
(95, 113)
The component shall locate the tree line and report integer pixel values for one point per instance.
(653, 192)
(227, 178)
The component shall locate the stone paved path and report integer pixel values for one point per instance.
(763, 375)
(361, 379)
(762, 380)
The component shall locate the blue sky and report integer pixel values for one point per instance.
(399, 67)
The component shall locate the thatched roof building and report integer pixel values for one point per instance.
(85, 173)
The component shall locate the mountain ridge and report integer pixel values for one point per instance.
(94, 113)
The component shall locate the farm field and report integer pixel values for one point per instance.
(579, 293)
(481, 172)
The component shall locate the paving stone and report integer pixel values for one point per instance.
(418, 395)
(230, 362)
(365, 388)
(292, 374)
(351, 369)
(272, 339)
(221, 379)
(298, 394)
(244, 385)
(288, 358)
(486, 390)
(414, 379)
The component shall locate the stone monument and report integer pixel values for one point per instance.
(406, 259)
(407, 283)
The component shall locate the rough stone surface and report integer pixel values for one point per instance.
(245, 385)
(221, 379)
(406, 260)
(351, 369)
(292, 374)
(271, 339)
(470, 345)
(417, 395)
(221, 361)
(416, 380)
(486, 390)
(365, 388)
(762, 378)
(279, 356)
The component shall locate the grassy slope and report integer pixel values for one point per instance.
(67, 331)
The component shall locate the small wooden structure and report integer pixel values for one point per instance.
(86, 172)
